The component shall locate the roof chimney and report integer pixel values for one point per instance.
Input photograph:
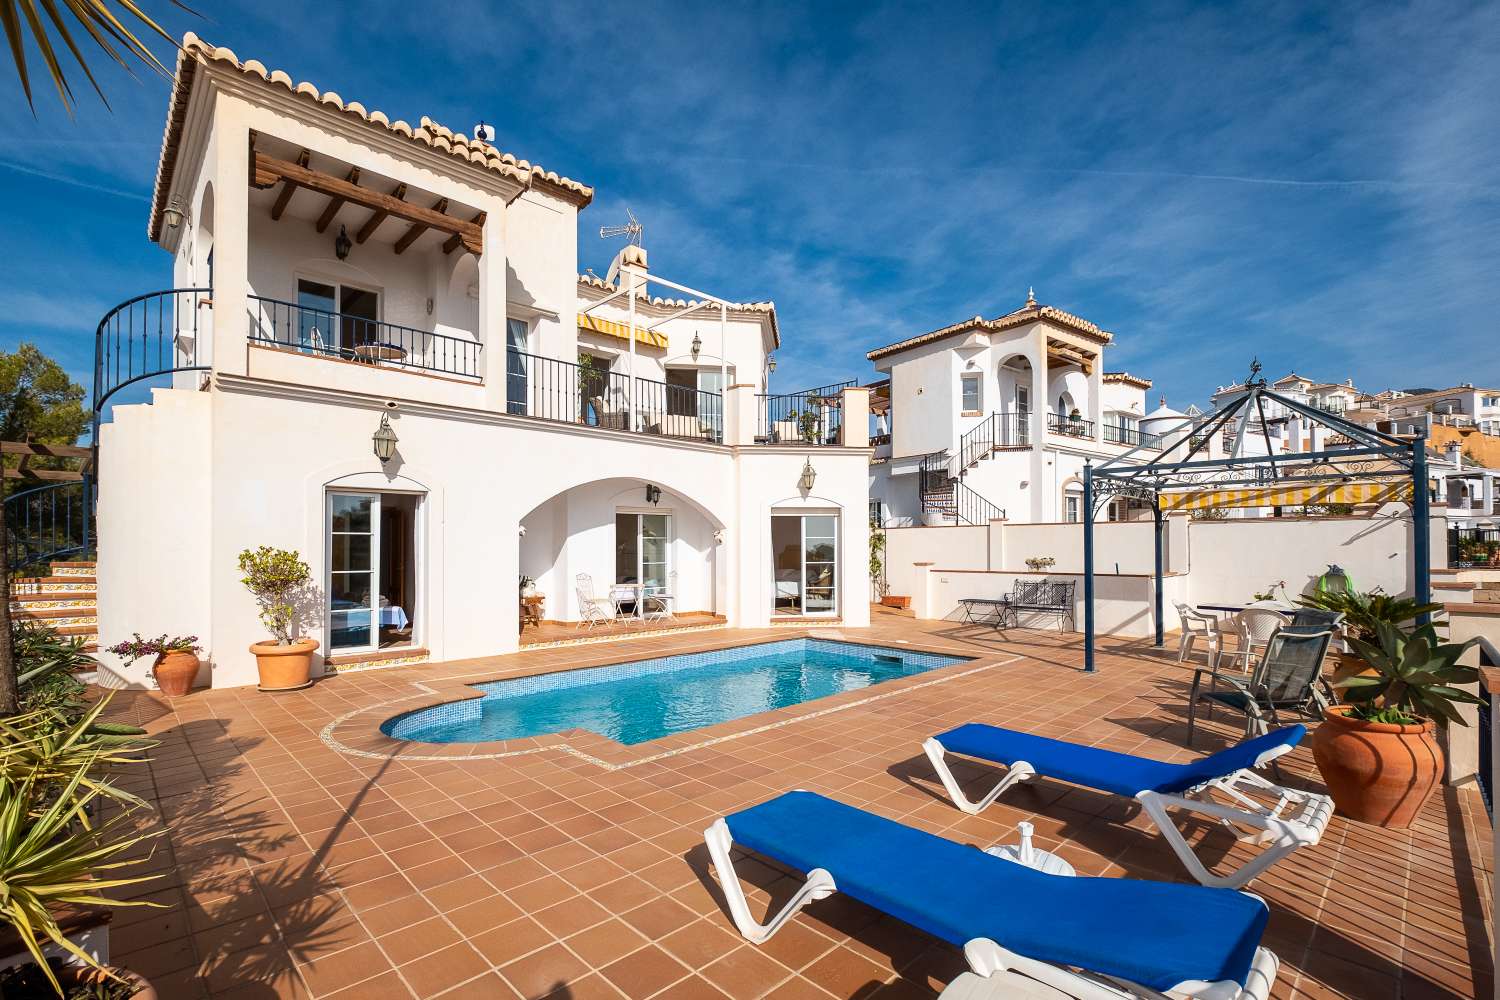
(629, 268)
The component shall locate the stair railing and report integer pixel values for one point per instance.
(48, 522)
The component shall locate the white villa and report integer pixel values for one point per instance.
(337, 273)
(994, 418)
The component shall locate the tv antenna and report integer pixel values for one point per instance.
(632, 230)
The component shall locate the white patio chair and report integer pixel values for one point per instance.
(1199, 625)
(1253, 629)
(657, 606)
(592, 610)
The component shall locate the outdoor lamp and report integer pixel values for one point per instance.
(770, 362)
(697, 345)
(805, 482)
(342, 245)
(653, 494)
(172, 215)
(385, 440)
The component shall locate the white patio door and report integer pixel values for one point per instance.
(643, 545)
(353, 555)
(805, 564)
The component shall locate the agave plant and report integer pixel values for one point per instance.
(1365, 613)
(50, 855)
(1416, 675)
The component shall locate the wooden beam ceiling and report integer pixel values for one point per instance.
(335, 202)
(418, 228)
(380, 215)
(1070, 354)
(382, 205)
(454, 240)
(288, 188)
(28, 450)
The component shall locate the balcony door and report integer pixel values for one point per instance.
(334, 318)
(804, 553)
(643, 550)
(517, 365)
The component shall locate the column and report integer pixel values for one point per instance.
(1039, 486)
(740, 416)
(231, 246)
(492, 293)
(1096, 392)
(854, 431)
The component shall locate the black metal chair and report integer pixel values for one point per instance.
(1287, 678)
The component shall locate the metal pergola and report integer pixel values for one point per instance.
(1363, 466)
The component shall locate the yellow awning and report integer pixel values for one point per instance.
(1288, 496)
(621, 331)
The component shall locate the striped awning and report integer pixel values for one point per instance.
(621, 331)
(1288, 496)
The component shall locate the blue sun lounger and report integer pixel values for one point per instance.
(1090, 938)
(1283, 819)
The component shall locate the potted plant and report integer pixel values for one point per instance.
(1379, 754)
(176, 666)
(277, 578)
(528, 586)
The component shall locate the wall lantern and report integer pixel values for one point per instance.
(808, 477)
(653, 494)
(697, 345)
(385, 440)
(172, 215)
(342, 245)
(770, 362)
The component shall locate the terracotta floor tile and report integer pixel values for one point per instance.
(644, 973)
(544, 972)
(442, 970)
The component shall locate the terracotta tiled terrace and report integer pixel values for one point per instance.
(358, 867)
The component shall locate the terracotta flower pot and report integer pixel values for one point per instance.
(175, 673)
(896, 602)
(1377, 772)
(284, 668)
(72, 976)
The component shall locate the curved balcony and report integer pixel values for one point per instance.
(153, 334)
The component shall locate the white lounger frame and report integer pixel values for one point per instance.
(985, 957)
(1297, 819)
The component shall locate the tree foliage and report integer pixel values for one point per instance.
(38, 401)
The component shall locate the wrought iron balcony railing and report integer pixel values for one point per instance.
(552, 389)
(1070, 426)
(1132, 436)
(328, 334)
(812, 416)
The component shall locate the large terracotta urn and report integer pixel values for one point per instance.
(284, 668)
(1377, 772)
(175, 673)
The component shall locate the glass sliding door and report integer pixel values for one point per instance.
(643, 544)
(804, 554)
(353, 554)
(517, 365)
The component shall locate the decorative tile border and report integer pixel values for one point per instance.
(424, 691)
(362, 665)
(20, 606)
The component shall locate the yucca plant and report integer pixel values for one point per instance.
(51, 856)
(103, 20)
(1415, 675)
(35, 748)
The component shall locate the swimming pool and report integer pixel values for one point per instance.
(648, 699)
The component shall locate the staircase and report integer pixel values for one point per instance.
(944, 495)
(64, 600)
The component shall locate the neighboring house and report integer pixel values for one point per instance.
(1287, 430)
(1461, 406)
(992, 418)
(340, 275)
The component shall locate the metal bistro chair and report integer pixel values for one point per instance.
(592, 610)
(1288, 677)
(656, 605)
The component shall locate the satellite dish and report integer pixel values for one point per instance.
(632, 230)
(484, 133)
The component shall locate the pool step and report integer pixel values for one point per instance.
(347, 663)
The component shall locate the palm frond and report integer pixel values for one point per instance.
(102, 22)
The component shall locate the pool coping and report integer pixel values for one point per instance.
(610, 755)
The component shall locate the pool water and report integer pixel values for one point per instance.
(648, 699)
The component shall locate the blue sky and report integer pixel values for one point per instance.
(1315, 185)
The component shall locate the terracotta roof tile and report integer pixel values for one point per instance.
(1126, 378)
(1029, 313)
(429, 133)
